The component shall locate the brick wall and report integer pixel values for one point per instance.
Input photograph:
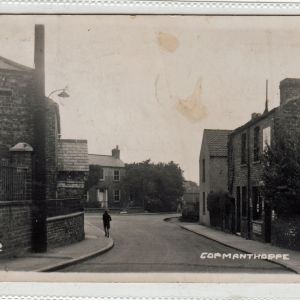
(238, 173)
(218, 174)
(16, 123)
(15, 227)
(64, 230)
(51, 148)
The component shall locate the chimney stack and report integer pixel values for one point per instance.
(116, 152)
(289, 89)
(39, 61)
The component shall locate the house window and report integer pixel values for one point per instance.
(244, 201)
(266, 137)
(203, 170)
(257, 203)
(204, 204)
(5, 92)
(117, 196)
(116, 175)
(256, 144)
(243, 148)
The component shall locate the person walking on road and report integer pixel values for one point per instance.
(106, 222)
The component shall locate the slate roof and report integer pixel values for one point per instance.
(73, 155)
(216, 140)
(7, 64)
(105, 161)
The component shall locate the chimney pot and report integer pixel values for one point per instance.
(255, 115)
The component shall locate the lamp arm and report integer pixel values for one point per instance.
(58, 90)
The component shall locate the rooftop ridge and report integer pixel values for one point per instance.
(15, 64)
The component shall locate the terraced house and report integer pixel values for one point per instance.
(245, 149)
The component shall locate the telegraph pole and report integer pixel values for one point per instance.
(39, 182)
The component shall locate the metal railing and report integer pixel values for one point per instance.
(13, 183)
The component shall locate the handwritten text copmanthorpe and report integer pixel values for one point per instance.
(247, 256)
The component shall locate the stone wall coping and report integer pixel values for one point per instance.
(15, 203)
(52, 219)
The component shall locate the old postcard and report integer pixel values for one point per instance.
(149, 144)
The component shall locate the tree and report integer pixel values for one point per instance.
(155, 187)
(281, 173)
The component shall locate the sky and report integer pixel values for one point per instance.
(152, 84)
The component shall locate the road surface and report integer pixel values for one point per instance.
(146, 243)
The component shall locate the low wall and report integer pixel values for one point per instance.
(65, 229)
(15, 227)
(286, 233)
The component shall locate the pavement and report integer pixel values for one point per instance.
(246, 246)
(94, 244)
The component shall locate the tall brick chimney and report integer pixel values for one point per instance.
(289, 89)
(39, 183)
(116, 152)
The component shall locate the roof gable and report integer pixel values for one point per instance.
(7, 64)
(72, 155)
(105, 161)
(216, 140)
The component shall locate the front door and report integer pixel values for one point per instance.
(102, 198)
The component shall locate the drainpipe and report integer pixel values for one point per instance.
(249, 202)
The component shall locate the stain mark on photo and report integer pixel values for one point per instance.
(167, 42)
(192, 107)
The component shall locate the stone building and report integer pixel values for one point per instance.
(19, 149)
(212, 167)
(73, 168)
(246, 145)
(107, 192)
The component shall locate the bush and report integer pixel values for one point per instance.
(281, 174)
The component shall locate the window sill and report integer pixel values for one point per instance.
(243, 165)
(256, 162)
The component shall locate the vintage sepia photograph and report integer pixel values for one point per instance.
(150, 144)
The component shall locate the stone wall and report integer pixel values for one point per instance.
(64, 230)
(15, 227)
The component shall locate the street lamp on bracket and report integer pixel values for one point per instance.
(63, 93)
